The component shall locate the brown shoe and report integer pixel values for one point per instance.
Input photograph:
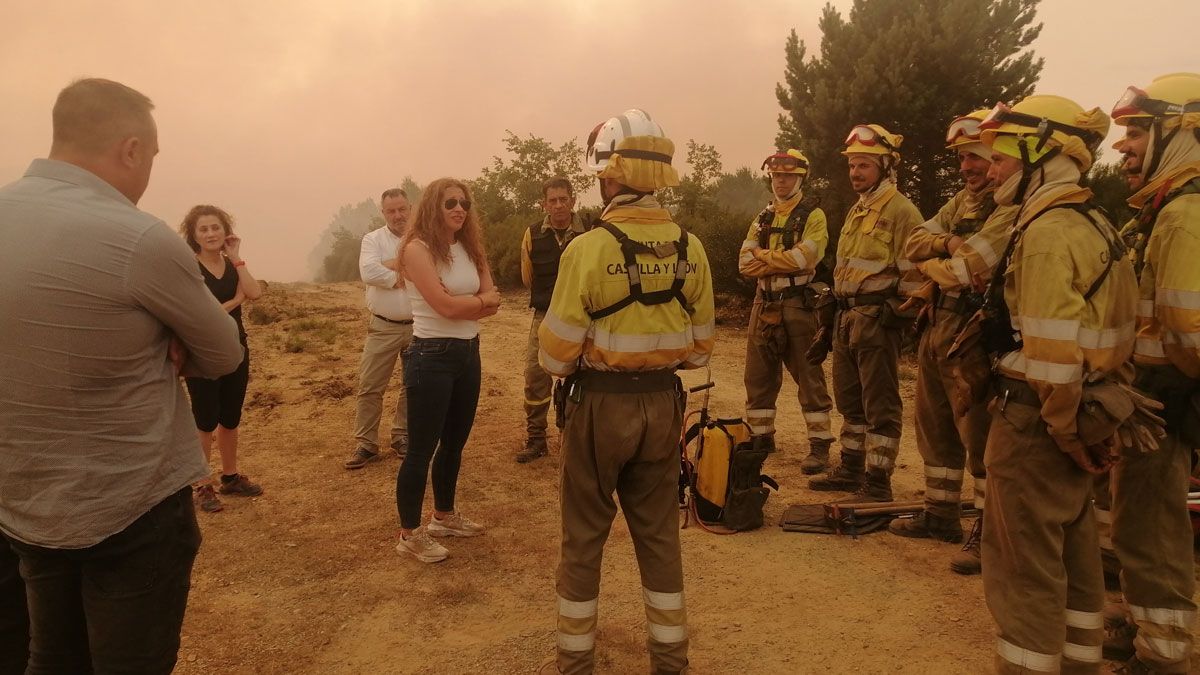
(534, 448)
(399, 446)
(969, 561)
(361, 458)
(206, 499)
(928, 526)
(239, 486)
(817, 460)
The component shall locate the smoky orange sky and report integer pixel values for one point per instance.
(281, 112)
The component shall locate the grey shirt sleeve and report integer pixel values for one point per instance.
(165, 280)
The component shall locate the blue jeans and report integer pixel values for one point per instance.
(441, 381)
(117, 606)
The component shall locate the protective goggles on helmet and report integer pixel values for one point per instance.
(1042, 127)
(1136, 103)
(865, 135)
(963, 127)
(781, 162)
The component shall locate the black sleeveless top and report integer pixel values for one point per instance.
(224, 289)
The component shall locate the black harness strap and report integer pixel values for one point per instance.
(629, 251)
(1149, 215)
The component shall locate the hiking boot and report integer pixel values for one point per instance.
(534, 448)
(925, 525)
(1118, 643)
(969, 561)
(239, 485)
(765, 443)
(361, 458)
(876, 488)
(818, 458)
(454, 525)
(399, 446)
(206, 499)
(847, 477)
(422, 547)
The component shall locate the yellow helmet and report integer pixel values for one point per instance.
(786, 161)
(964, 130)
(1041, 126)
(872, 139)
(1173, 95)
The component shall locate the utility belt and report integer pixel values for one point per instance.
(1179, 394)
(806, 293)
(1011, 390)
(402, 322)
(571, 388)
(964, 303)
(865, 299)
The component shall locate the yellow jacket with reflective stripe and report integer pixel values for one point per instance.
(1169, 289)
(973, 261)
(639, 337)
(1067, 340)
(777, 268)
(870, 255)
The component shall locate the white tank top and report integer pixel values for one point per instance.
(460, 278)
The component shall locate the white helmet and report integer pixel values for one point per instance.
(605, 138)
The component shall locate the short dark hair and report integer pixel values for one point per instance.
(560, 183)
(392, 193)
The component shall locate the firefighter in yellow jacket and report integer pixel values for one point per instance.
(957, 251)
(870, 281)
(1151, 531)
(781, 252)
(633, 302)
(1070, 292)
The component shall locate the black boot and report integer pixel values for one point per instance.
(928, 526)
(876, 488)
(847, 477)
(765, 442)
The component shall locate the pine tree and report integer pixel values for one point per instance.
(912, 66)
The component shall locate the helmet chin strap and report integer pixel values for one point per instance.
(1159, 144)
(1028, 167)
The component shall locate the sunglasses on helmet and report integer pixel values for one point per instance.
(454, 202)
(1135, 102)
(962, 127)
(865, 135)
(783, 162)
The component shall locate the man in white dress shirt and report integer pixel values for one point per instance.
(388, 334)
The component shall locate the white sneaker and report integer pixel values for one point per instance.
(422, 547)
(456, 525)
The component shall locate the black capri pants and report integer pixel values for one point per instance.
(220, 401)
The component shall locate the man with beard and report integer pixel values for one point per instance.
(870, 281)
(957, 250)
(781, 252)
(1062, 348)
(1151, 531)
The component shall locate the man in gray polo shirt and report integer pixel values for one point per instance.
(103, 307)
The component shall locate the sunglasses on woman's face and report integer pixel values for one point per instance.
(454, 202)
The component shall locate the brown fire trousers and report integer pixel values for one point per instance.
(537, 385)
(1041, 556)
(866, 386)
(628, 444)
(778, 343)
(946, 441)
(1152, 537)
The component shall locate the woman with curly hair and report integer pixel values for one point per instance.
(451, 288)
(217, 404)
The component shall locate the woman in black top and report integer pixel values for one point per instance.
(217, 404)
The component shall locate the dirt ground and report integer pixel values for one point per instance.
(305, 579)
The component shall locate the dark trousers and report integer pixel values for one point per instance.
(220, 401)
(117, 606)
(14, 617)
(441, 381)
